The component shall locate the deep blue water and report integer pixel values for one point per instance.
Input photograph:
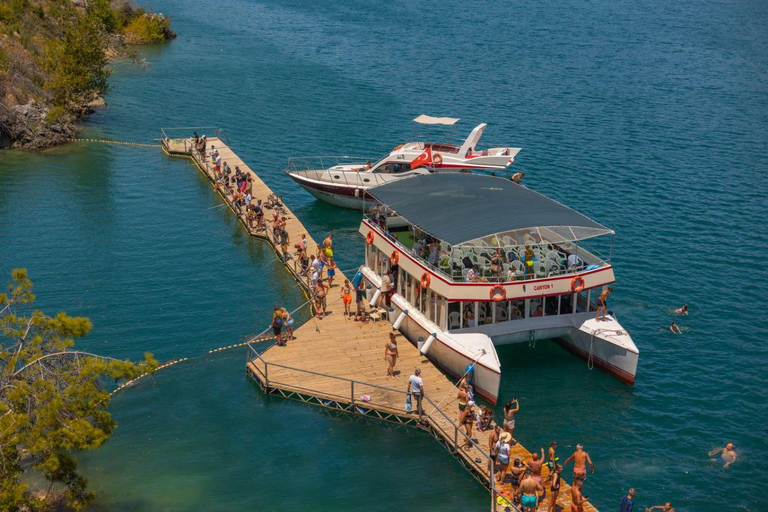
(650, 117)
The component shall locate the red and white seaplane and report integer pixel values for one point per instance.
(479, 261)
(344, 181)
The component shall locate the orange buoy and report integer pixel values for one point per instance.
(369, 238)
(437, 159)
(425, 280)
(498, 293)
(577, 284)
(395, 258)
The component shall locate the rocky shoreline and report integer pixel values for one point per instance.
(30, 116)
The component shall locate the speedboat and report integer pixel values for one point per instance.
(479, 261)
(344, 181)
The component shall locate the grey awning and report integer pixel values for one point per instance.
(460, 208)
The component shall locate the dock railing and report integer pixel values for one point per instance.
(362, 398)
(184, 134)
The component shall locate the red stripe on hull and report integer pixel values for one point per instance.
(614, 371)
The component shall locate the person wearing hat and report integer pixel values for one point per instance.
(502, 456)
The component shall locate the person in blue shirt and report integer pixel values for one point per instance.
(626, 502)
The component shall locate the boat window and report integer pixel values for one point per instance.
(454, 315)
(394, 168)
(550, 305)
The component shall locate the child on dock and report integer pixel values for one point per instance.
(346, 297)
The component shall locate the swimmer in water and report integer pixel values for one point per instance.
(667, 507)
(726, 455)
(675, 329)
(681, 311)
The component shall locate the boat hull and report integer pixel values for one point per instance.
(345, 196)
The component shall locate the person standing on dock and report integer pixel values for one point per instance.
(277, 325)
(346, 297)
(529, 491)
(416, 389)
(288, 323)
(555, 486)
(577, 499)
(493, 438)
(321, 299)
(580, 459)
(390, 355)
(359, 297)
(535, 465)
(502, 456)
(509, 416)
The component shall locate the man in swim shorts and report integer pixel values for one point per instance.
(529, 489)
(602, 303)
(535, 465)
(346, 296)
(726, 455)
(580, 459)
(577, 499)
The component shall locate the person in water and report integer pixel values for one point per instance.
(681, 311)
(602, 303)
(627, 504)
(580, 460)
(667, 507)
(726, 455)
(675, 328)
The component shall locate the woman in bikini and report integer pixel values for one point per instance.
(555, 486)
(467, 420)
(509, 416)
(346, 297)
(390, 354)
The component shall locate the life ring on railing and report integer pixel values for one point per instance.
(437, 159)
(577, 284)
(369, 238)
(425, 280)
(395, 258)
(498, 293)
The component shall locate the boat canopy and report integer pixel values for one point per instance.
(447, 121)
(473, 209)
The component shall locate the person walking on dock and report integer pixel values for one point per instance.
(277, 325)
(416, 389)
(346, 297)
(390, 354)
(580, 460)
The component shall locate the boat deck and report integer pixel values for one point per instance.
(337, 362)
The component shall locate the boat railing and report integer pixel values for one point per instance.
(362, 398)
(539, 270)
(321, 163)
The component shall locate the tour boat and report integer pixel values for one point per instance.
(439, 233)
(344, 181)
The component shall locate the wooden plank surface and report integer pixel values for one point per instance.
(340, 346)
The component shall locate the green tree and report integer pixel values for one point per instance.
(53, 401)
(77, 62)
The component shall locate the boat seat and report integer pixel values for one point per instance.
(454, 320)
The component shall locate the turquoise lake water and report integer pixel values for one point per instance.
(651, 117)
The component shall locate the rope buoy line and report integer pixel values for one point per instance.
(122, 143)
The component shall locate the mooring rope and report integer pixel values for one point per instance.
(123, 143)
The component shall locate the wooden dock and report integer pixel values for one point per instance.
(338, 363)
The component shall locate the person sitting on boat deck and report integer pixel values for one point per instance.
(539, 311)
(417, 247)
(675, 328)
(682, 310)
(727, 455)
(390, 354)
(580, 460)
(467, 420)
(469, 319)
(529, 491)
(602, 303)
(359, 297)
(434, 252)
(515, 314)
(517, 178)
(667, 507)
(577, 499)
(473, 275)
(497, 265)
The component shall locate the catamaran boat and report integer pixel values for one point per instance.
(443, 237)
(344, 181)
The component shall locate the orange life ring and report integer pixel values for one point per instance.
(577, 284)
(395, 258)
(425, 280)
(437, 159)
(498, 293)
(369, 238)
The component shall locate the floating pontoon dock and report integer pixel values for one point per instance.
(333, 362)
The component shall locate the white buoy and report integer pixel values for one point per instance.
(375, 298)
(399, 320)
(428, 343)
